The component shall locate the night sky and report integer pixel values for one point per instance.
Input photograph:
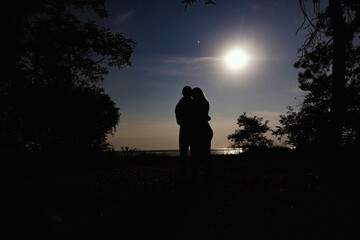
(177, 48)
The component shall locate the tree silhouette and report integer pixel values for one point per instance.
(332, 31)
(251, 132)
(190, 2)
(49, 90)
(329, 115)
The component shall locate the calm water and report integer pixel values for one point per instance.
(175, 153)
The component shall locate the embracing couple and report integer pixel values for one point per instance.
(192, 114)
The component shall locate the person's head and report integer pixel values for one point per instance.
(198, 94)
(187, 92)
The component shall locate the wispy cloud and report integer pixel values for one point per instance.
(254, 6)
(122, 17)
(191, 61)
(178, 66)
(189, 65)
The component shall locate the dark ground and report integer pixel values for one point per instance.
(273, 195)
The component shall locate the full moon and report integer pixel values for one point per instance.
(236, 59)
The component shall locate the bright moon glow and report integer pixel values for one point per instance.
(236, 59)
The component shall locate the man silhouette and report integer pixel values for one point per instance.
(183, 113)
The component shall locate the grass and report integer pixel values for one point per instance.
(272, 195)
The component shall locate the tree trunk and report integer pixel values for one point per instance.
(338, 81)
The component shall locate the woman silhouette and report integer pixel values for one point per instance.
(202, 134)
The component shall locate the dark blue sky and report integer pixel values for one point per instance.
(177, 48)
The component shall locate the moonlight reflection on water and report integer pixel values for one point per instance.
(176, 153)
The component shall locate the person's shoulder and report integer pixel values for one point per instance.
(180, 103)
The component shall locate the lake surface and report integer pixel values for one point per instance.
(176, 153)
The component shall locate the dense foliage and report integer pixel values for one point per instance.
(50, 97)
(251, 132)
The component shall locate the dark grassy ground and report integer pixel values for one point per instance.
(269, 195)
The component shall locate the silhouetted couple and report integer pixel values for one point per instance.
(192, 114)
